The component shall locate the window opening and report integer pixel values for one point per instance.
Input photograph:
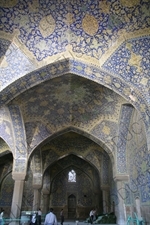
(72, 176)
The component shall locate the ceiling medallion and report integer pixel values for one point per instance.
(8, 3)
(128, 3)
(90, 25)
(47, 26)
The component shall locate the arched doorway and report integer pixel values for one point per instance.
(71, 206)
(76, 194)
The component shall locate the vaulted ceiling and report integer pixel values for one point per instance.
(74, 63)
(111, 34)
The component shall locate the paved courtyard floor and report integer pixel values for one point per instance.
(79, 223)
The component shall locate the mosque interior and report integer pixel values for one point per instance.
(75, 107)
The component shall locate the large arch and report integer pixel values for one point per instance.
(98, 141)
(86, 70)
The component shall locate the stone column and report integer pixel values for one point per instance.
(120, 211)
(45, 204)
(17, 194)
(46, 193)
(106, 202)
(138, 208)
(36, 198)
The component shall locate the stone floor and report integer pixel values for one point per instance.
(79, 223)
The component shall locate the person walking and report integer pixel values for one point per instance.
(39, 216)
(91, 216)
(61, 217)
(50, 218)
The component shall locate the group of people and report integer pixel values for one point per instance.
(36, 218)
(50, 218)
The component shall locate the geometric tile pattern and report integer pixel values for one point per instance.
(90, 31)
(6, 191)
(124, 136)
(5, 44)
(69, 101)
(89, 71)
(105, 170)
(68, 143)
(106, 131)
(20, 139)
(140, 174)
(6, 131)
(128, 199)
(88, 28)
(82, 147)
(35, 133)
(15, 65)
(28, 194)
(19, 131)
(44, 27)
(6, 134)
(36, 167)
(131, 62)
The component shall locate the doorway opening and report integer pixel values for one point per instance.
(72, 206)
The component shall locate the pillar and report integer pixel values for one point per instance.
(45, 207)
(17, 194)
(36, 197)
(138, 208)
(46, 192)
(120, 210)
(106, 201)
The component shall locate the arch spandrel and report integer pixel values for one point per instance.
(4, 148)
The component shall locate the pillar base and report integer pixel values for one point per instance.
(121, 222)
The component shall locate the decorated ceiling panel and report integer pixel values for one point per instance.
(5, 44)
(69, 95)
(68, 101)
(105, 41)
(15, 64)
(131, 61)
(43, 25)
(43, 31)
